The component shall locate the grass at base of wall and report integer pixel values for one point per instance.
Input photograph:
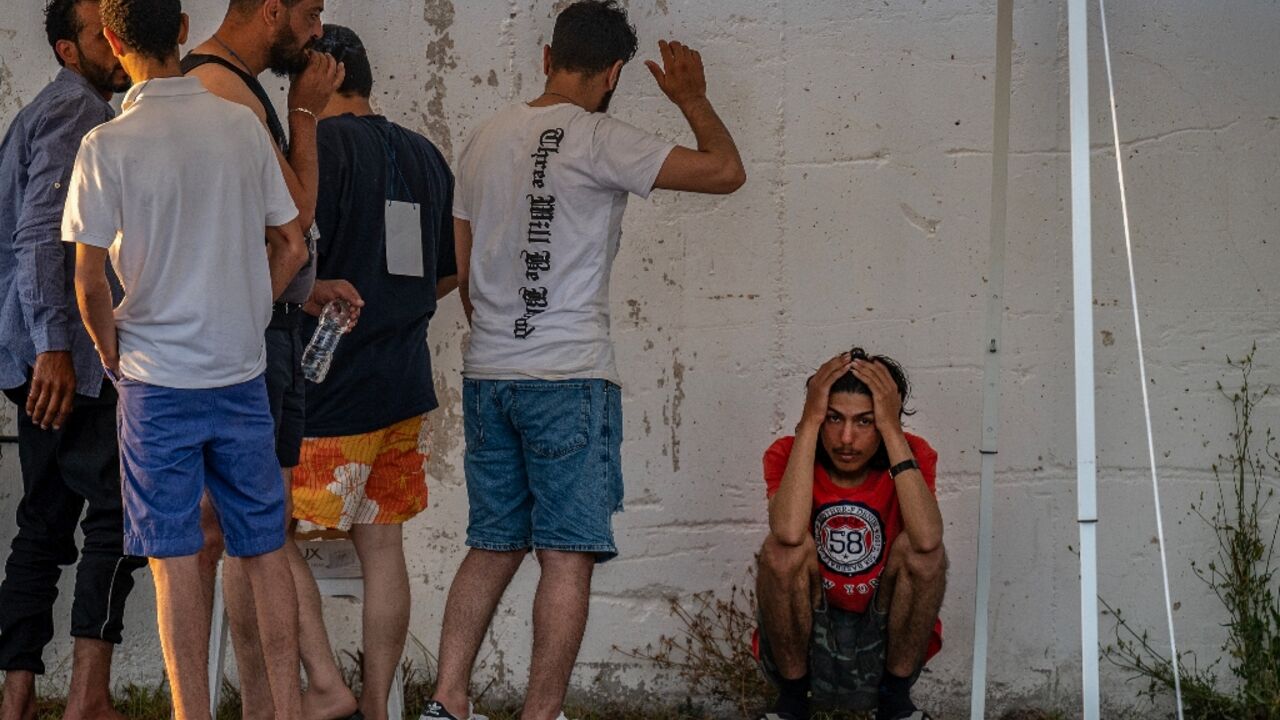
(152, 703)
(140, 703)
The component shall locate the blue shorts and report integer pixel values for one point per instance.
(543, 464)
(175, 444)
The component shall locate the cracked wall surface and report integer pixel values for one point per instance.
(866, 129)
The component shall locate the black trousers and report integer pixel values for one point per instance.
(66, 474)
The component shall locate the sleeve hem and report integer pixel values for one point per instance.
(282, 219)
(50, 338)
(85, 238)
(657, 168)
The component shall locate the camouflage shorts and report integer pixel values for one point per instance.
(847, 654)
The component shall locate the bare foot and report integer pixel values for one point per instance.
(19, 696)
(328, 704)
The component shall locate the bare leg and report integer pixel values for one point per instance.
(211, 554)
(90, 695)
(386, 612)
(277, 613)
(559, 619)
(787, 588)
(473, 597)
(183, 618)
(19, 696)
(913, 587)
(242, 618)
(327, 695)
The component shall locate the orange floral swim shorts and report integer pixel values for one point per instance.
(375, 478)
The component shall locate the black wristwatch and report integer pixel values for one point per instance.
(905, 465)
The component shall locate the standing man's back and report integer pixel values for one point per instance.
(538, 210)
(180, 191)
(542, 291)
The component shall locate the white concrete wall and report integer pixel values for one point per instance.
(866, 128)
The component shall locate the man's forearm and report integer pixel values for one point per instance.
(710, 131)
(94, 297)
(464, 293)
(304, 159)
(792, 504)
(41, 278)
(286, 254)
(921, 517)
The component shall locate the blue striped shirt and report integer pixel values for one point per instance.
(38, 311)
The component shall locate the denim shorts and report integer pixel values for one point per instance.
(543, 464)
(175, 444)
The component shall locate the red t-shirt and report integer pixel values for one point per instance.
(854, 528)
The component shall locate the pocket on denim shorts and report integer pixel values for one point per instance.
(554, 418)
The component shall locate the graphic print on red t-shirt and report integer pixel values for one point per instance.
(850, 540)
(854, 528)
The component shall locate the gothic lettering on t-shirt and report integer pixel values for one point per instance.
(542, 213)
(850, 538)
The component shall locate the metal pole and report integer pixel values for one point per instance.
(1082, 271)
(991, 347)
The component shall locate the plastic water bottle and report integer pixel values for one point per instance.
(334, 321)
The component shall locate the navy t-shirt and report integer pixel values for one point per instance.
(381, 371)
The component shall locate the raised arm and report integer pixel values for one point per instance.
(715, 167)
(921, 517)
(309, 93)
(791, 506)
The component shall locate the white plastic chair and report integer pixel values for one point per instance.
(336, 568)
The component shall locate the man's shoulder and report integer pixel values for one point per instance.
(779, 451)
(226, 84)
(921, 449)
(63, 100)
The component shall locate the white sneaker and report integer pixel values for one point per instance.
(436, 711)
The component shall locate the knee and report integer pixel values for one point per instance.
(779, 560)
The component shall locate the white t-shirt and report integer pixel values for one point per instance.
(180, 188)
(544, 190)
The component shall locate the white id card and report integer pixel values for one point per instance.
(404, 238)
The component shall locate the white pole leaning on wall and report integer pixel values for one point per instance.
(991, 349)
(1082, 272)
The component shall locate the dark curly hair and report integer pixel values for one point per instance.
(62, 22)
(849, 383)
(346, 47)
(590, 36)
(150, 27)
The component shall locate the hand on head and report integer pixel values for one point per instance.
(885, 397)
(817, 397)
(312, 88)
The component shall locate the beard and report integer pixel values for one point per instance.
(105, 79)
(287, 56)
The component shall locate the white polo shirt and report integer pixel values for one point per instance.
(180, 188)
